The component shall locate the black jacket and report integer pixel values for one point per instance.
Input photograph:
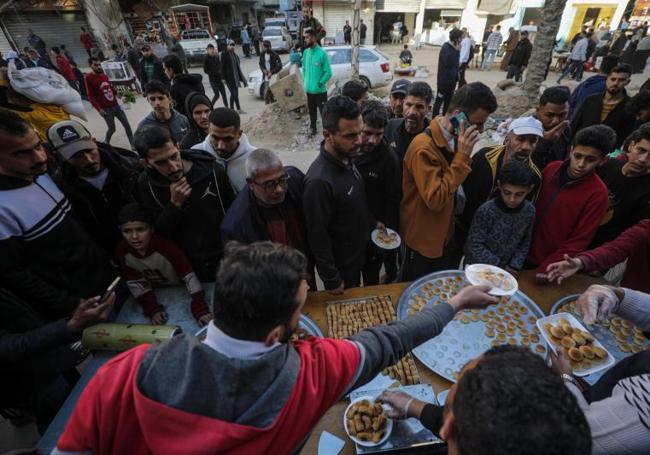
(276, 62)
(195, 135)
(195, 226)
(243, 222)
(97, 210)
(521, 54)
(398, 138)
(231, 68)
(133, 56)
(158, 72)
(212, 67)
(183, 85)
(381, 174)
(546, 151)
(618, 119)
(448, 63)
(32, 352)
(337, 216)
(47, 258)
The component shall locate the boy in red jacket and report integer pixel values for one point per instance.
(148, 260)
(103, 97)
(573, 200)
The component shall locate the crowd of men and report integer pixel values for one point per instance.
(201, 203)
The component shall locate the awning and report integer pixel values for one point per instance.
(445, 4)
(496, 7)
(190, 7)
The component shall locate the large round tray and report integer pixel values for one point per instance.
(601, 331)
(460, 341)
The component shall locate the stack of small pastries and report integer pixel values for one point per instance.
(350, 317)
(366, 421)
(577, 344)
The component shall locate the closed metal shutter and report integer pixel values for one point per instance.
(55, 28)
(5, 47)
(335, 17)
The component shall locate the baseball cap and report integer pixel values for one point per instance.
(400, 86)
(69, 137)
(526, 125)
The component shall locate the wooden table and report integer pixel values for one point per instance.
(543, 296)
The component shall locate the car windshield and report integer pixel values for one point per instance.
(272, 32)
(195, 34)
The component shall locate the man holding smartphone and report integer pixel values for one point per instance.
(436, 164)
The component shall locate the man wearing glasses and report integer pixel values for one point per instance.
(269, 207)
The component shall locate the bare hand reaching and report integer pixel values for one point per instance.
(205, 319)
(560, 271)
(180, 190)
(473, 297)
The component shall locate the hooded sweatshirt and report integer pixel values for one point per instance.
(183, 85)
(235, 164)
(195, 226)
(196, 134)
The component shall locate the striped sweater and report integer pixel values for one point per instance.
(48, 259)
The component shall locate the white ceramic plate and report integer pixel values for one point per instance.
(475, 275)
(554, 319)
(386, 246)
(389, 425)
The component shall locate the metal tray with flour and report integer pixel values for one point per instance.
(471, 332)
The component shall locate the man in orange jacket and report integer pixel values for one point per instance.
(436, 163)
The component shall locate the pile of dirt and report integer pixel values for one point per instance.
(281, 131)
(511, 99)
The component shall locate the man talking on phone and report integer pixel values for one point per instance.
(435, 165)
(188, 193)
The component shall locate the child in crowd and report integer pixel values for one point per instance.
(148, 260)
(501, 229)
(573, 200)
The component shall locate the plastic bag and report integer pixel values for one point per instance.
(47, 87)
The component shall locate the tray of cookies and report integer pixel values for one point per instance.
(348, 317)
(471, 332)
(562, 331)
(620, 337)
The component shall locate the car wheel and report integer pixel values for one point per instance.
(366, 81)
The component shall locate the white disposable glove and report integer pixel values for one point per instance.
(597, 303)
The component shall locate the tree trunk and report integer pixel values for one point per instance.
(543, 48)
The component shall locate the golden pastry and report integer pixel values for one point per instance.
(539, 348)
(578, 338)
(490, 333)
(532, 320)
(600, 352)
(534, 338)
(501, 337)
(625, 347)
(587, 351)
(568, 342)
(575, 354)
(557, 332)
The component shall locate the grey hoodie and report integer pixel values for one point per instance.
(235, 165)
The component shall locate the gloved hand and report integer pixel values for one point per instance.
(398, 401)
(597, 303)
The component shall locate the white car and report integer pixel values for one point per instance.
(374, 68)
(279, 38)
(194, 42)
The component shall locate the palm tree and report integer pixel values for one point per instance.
(544, 44)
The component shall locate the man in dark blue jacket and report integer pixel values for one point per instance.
(270, 206)
(448, 62)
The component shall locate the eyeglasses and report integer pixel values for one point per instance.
(271, 185)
